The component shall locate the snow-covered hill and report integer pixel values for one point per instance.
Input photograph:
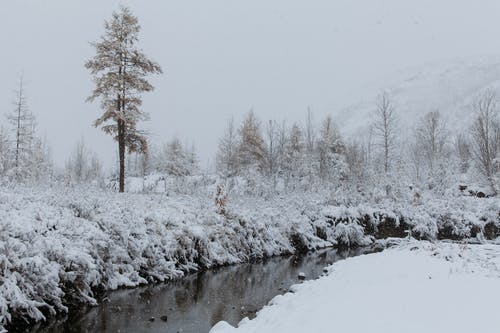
(447, 86)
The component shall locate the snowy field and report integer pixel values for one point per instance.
(62, 247)
(414, 287)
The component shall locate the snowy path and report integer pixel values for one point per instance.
(415, 287)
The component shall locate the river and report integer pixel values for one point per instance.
(198, 301)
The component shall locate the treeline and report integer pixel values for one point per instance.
(284, 156)
(384, 158)
(172, 158)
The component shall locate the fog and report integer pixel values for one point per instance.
(221, 58)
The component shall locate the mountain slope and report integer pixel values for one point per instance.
(449, 87)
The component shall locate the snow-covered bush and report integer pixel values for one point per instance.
(59, 246)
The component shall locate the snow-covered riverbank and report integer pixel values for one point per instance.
(59, 246)
(414, 287)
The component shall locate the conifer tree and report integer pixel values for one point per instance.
(119, 69)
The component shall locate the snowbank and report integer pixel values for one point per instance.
(60, 247)
(415, 287)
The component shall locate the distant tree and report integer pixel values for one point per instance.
(79, 162)
(119, 69)
(310, 132)
(138, 163)
(193, 161)
(4, 151)
(281, 143)
(226, 159)
(384, 127)
(311, 162)
(176, 160)
(330, 148)
(83, 165)
(271, 147)
(294, 151)
(356, 160)
(23, 127)
(40, 159)
(94, 171)
(432, 138)
(485, 133)
(251, 149)
(463, 151)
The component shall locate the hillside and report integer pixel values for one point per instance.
(449, 87)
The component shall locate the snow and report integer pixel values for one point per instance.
(59, 245)
(414, 287)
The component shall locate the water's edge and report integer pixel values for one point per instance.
(198, 301)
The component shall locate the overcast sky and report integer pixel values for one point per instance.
(222, 57)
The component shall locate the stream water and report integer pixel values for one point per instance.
(198, 301)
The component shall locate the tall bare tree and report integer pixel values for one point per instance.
(226, 160)
(23, 124)
(119, 69)
(485, 135)
(384, 127)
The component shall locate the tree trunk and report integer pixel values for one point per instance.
(121, 153)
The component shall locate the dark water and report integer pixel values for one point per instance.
(197, 302)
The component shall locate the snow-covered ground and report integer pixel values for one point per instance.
(58, 246)
(414, 287)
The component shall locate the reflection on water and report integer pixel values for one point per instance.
(197, 302)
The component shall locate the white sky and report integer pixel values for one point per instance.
(222, 57)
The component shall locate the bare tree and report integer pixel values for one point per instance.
(485, 135)
(40, 165)
(94, 171)
(226, 159)
(432, 137)
(4, 151)
(79, 161)
(119, 69)
(385, 127)
(463, 151)
(294, 151)
(356, 160)
(23, 125)
(281, 142)
(83, 165)
(271, 147)
(309, 131)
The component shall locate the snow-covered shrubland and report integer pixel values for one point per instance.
(414, 287)
(59, 247)
(62, 246)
